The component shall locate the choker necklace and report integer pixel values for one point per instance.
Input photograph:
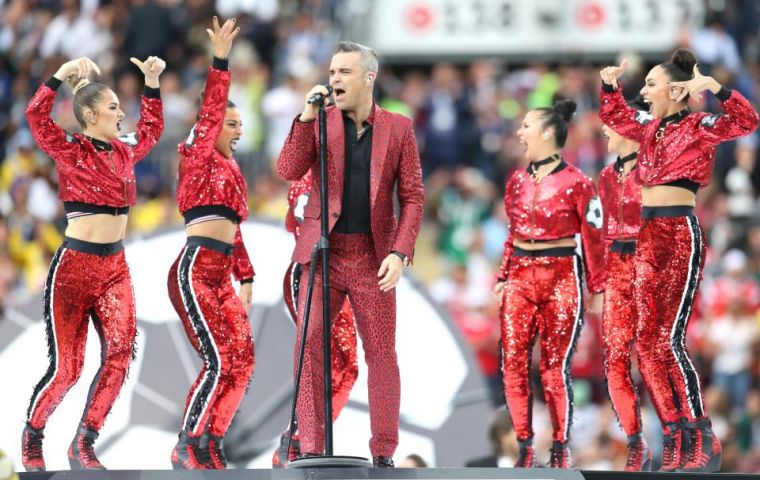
(620, 164)
(534, 165)
(98, 144)
(672, 118)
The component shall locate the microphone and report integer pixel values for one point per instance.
(318, 98)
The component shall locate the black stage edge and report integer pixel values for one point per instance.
(372, 473)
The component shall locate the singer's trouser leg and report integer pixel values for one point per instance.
(353, 274)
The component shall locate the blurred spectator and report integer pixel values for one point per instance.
(413, 461)
(501, 436)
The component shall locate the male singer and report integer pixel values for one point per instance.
(369, 152)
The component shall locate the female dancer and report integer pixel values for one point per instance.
(676, 158)
(212, 196)
(540, 283)
(620, 194)
(88, 276)
(345, 367)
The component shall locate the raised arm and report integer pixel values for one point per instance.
(299, 152)
(200, 143)
(151, 123)
(613, 109)
(740, 117)
(48, 135)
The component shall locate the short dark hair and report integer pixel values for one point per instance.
(369, 59)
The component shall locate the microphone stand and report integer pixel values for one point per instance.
(322, 248)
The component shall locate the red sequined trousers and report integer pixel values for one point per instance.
(218, 328)
(668, 268)
(345, 366)
(618, 330)
(542, 297)
(82, 285)
(353, 273)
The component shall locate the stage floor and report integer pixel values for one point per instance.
(370, 473)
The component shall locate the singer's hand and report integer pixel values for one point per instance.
(310, 110)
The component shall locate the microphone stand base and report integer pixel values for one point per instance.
(331, 461)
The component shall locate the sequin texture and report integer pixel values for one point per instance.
(85, 174)
(561, 205)
(82, 287)
(205, 176)
(542, 298)
(687, 147)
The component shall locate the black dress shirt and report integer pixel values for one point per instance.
(354, 214)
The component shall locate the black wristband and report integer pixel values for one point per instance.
(220, 63)
(53, 83)
(151, 92)
(723, 94)
(399, 255)
(606, 87)
(246, 280)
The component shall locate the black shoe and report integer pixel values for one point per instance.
(82, 450)
(382, 462)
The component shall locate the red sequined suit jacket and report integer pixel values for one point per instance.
(395, 162)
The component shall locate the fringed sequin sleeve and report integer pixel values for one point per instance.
(242, 268)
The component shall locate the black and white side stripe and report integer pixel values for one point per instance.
(52, 339)
(567, 361)
(204, 391)
(678, 332)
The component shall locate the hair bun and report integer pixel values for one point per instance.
(565, 109)
(76, 83)
(684, 60)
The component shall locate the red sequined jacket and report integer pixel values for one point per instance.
(620, 195)
(686, 149)
(561, 205)
(394, 168)
(206, 177)
(90, 175)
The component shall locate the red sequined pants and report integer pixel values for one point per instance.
(618, 329)
(542, 297)
(668, 268)
(345, 366)
(217, 326)
(353, 274)
(82, 285)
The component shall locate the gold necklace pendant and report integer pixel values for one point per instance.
(659, 134)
